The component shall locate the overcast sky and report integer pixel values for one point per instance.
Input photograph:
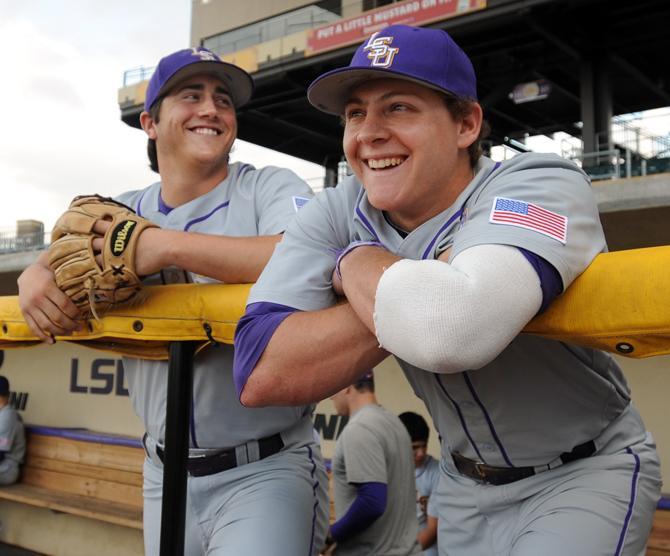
(62, 67)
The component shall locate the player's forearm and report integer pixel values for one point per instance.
(427, 537)
(361, 270)
(310, 356)
(225, 258)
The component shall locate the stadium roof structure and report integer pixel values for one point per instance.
(597, 58)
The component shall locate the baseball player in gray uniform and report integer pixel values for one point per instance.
(12, 437)
(372, 478)
(257, 482)
(443, 257)
(427, 478)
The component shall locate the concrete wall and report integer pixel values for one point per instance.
(67, 385)
(212, 17)
(635, 212)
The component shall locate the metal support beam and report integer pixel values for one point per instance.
(596, 102)
(179, 395)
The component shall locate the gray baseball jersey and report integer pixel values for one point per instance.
(374, 447)
(249, 202)
(427, 478)
(539, 398)
(12, 444)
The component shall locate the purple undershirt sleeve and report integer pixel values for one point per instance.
(252, 335)
(368, 506)
(550, 279)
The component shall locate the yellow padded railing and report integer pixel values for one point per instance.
(621, 304)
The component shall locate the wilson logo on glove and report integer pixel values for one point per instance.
(121, 236)
(97, 283)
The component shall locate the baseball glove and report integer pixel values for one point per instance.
(95, 288)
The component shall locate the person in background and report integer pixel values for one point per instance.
(12, 437)
(372, 474)
(427, 477)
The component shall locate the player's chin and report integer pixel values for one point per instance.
(211, 156)
(382, 196)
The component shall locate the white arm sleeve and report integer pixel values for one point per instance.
(447, 318)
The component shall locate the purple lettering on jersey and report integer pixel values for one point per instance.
(550, 280)
(252, 336)
(368, 506)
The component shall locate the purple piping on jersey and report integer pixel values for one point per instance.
(162, 207)
(429, 249)
(201, 218)
(86, 436)
(315, 485)
(488, 419)
(252, 335)
(460, 416)
(138, 209)
(458, 214)
(633, 495)
(366, 223)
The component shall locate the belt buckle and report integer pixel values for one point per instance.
(480, 471)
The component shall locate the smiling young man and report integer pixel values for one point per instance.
(251, 471)
(443, 256)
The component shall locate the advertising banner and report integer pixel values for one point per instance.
(411, 12)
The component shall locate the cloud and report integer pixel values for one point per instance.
(62, 131)
(57, 89)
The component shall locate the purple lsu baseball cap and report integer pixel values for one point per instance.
(428, 57)
(192, 61)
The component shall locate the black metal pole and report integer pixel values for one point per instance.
(179, 393)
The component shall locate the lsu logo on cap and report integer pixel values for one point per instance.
(205, 55)
(379, 51)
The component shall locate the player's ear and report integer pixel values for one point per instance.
(470, 126)
(148, 125)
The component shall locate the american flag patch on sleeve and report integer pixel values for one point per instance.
(512, 212)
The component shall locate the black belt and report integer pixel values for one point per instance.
(504, 475)
(199, 466)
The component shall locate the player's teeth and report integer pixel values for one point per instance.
(383, 162)
(205, 131)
